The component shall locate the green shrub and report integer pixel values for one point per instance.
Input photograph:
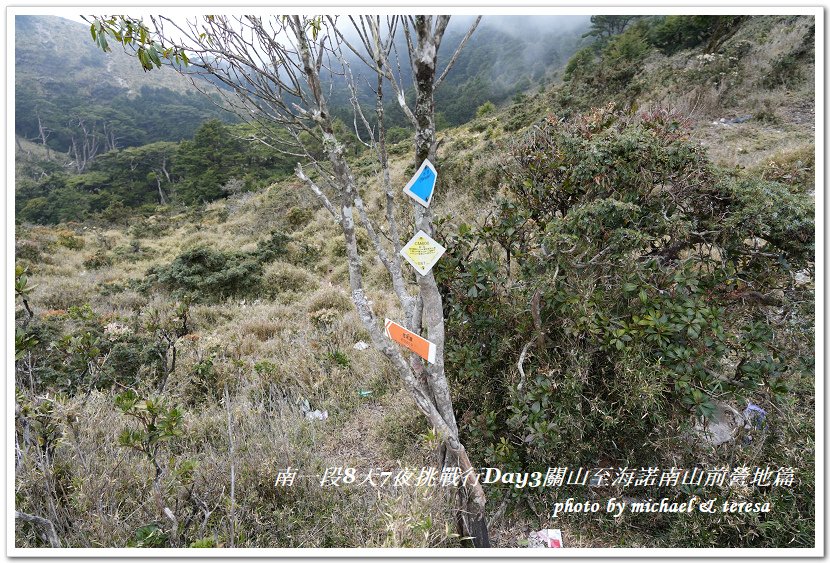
(204, 384)
(208, 274)
(69, 240)
(517, 118)
(339, 358)
(788, 69)
(100, 259)
(637, 283)
(303, 254)
(395, 135)
(485, 109)
(272, 247)
(606, 71)
(298, 217)
(158, 424)
(580, 64)
(203, 273)
(78, 350)
(281, 277)
(479, 126)
(204, 542)
(674, 33)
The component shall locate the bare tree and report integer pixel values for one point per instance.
(160, 171)
(156, 158)
(425, 313)
(43, 134)
(84, 146)
(278, 74)
(109, 138)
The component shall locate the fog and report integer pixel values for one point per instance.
(506, 56)
(524, 25)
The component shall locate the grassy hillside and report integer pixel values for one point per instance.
(249, 294)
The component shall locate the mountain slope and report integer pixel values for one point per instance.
(506, 56)
(51, 51)
(252, 368)
(62, 80)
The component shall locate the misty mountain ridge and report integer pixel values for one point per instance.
(63, 79)
(67, 89)
(51, 51)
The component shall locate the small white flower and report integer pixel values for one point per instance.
(114, 330)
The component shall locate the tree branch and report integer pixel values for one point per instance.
(457, 53)
(317, 191)
(48, 527)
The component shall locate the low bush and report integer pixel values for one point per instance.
(485, 109)
(298, 217)
(79, 350)
(100, 259)
(330, 299)
(636, 287)
(69, 240)
(272, 248)
(206, 274)
(281, 277)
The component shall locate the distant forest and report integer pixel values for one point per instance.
(124, 147)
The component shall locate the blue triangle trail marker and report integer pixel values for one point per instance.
(422, 185)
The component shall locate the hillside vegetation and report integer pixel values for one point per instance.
(66, 88)
(626, 261)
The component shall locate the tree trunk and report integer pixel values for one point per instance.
(48, 528)
(470, 514)
(44, 134)
(161, 192)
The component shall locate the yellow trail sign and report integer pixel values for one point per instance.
(422, 252)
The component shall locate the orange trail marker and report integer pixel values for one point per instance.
(410, 340)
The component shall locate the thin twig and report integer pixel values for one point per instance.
(457, 53)
(520, 363)
(233, 468)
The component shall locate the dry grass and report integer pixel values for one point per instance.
(293, 343)
(103, 494)
(748, 145)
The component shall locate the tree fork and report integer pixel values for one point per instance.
(263, 101)
(471, 500)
